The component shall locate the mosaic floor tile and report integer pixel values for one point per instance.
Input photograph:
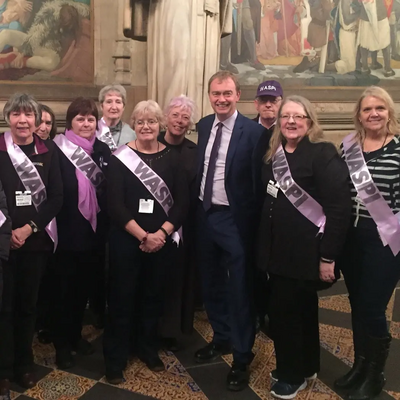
(395, 395)
(264, 363)
(341, 303)
(173, 383)
(14, 395)
(395, 329)
(60, 385)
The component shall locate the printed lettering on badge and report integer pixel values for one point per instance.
(272, 190)
(146, 206)
(23, 198)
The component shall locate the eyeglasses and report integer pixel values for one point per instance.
(274, 100)
(296, 117)
(151, 122)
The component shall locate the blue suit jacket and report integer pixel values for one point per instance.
(244, 160)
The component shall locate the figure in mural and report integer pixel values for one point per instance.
(184, 47)
(267, 49)
(47, 40)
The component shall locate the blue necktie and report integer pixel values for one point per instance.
(208, 187)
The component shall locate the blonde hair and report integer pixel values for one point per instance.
(382, 94)
(314, 133)
(149, 107)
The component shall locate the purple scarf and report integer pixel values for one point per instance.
(87, 199)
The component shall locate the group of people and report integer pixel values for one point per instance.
(265, 213)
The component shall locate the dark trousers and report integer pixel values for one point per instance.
(22, 275)
(371, 273)
(226, 276)
(72, 277)
(293, 313)
(136, 294)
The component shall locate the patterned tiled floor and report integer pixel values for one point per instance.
(186, 380)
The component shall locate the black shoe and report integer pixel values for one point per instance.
(153, 363)
(211, 352)
(374, 380)
(83, 347)
(375, 66)
(282, 390)
(170, 344)
(64, 358)
(115, 377)
(44, 336)
(238, 377)
(5, 388)
(352, 377)
(27, 380)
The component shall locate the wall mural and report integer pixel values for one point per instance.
(46, 41)
(314, 42)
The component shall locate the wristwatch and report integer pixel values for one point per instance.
(33, 226)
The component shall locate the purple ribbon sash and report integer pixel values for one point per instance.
(104, 134)
(2, 218)
(81, 160)
(386, 221)
(31, 180)
(153, 183)
(300, 199)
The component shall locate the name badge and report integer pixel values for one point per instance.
(146, 206)
(272, 189)
(23, 198)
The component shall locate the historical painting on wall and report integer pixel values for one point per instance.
(46, 40)
(314, 42)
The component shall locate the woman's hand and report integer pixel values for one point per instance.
(154, 242)
(326, 271)
(19, 235)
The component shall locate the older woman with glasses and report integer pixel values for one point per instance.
(31, 178)
(304, 221)
(148, 202)
(112, 130)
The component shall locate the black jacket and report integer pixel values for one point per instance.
(45, 159)
(288, 243)
(74, 231)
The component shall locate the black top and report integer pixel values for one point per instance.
(5, 231)
(188, 151)
(74, 231)
(288, 243)
(125, 190)
(44, 157)
(384, 166)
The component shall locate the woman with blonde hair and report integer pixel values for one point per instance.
(371, 260)
(304, 221)
(148, 201)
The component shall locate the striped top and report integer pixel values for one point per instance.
(384, 167)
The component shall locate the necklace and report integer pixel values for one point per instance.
(384, 141)
(158, 147)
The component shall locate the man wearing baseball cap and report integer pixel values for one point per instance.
(267, 103)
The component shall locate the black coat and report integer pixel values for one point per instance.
(45, 159)
(288, 243)
(5, 235)
(74, 231)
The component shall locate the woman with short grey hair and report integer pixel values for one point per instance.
(31, 178)
(112, 130)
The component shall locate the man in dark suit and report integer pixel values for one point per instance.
(230, 148)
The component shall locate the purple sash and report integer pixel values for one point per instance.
(386, 221)
(2, 218)
(105, 135)
(31, 180)
(81, 160)
(153, 183)
(300, 199)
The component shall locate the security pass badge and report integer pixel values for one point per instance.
(272, 189)
(146, 206)
(23, 198)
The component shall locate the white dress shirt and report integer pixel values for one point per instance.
(219, 193)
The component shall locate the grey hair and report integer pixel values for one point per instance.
(147, 106)
(22, 102)
(184, 102)
(119, 89)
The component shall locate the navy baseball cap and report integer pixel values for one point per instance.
(270, 88)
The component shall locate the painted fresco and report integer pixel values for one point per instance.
(314, 42)
(46, 41)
